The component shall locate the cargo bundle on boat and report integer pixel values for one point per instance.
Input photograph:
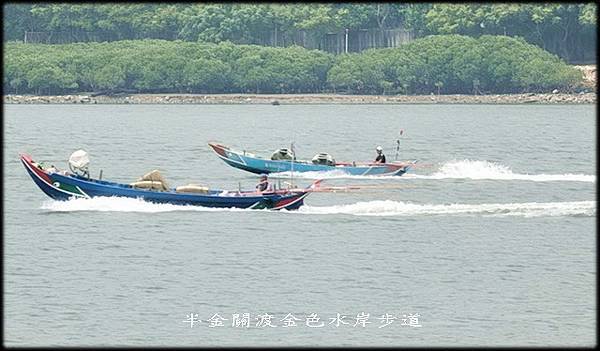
(284, 160)
(152, 187)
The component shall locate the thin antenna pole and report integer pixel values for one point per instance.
(398, 144)
(293, 157)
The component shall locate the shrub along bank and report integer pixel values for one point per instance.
(446, 64)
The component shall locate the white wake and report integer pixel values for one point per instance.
(367, 208)
(490, 170)
(400, 208)
(121, 204)
(456, 169)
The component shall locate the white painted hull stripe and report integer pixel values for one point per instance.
(291, 203)
(52, 185)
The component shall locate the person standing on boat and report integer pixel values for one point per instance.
(263, 185)
(380, 156)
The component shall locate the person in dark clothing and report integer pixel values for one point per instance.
(380, 156)
(263, 185)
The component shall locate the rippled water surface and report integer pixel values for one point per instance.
(490, 241)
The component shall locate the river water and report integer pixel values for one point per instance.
(491, 241)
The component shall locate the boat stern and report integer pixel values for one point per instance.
(401, 168)
(290, 202)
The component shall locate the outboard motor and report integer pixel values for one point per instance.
(323, 158)
(78, 163)
(283, 154)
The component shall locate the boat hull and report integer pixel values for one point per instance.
(251, 163)
(67, 186)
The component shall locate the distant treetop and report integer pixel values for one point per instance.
(540, 24)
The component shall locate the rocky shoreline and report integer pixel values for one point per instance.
(292, 99)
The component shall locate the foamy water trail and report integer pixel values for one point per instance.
(121, 204)
(490, 170)
(399, 208)
(463, 169)
(368, 208)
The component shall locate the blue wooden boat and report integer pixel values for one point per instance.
(257, 164)
(64, 185)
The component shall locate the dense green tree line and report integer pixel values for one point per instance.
(454, 64)
(442, 64)
(241, 23)
(162, 66)
(565, 29)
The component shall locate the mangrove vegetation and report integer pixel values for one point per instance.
(440, 64)
(565, 29)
